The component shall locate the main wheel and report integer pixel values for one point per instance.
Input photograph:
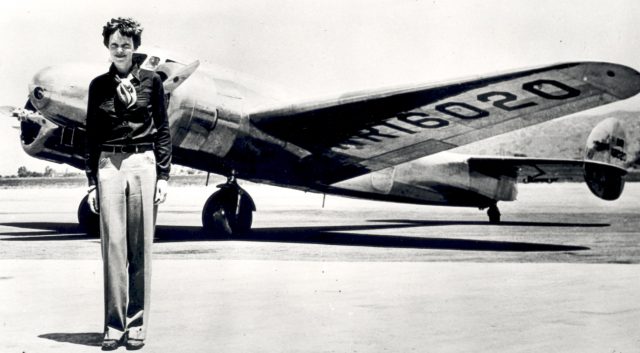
(89, 222)
(228, 211)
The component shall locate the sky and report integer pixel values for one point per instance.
(314, 48)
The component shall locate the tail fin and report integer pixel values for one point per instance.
(605, 159)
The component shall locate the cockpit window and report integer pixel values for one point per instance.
(151, 63)
(159, 62)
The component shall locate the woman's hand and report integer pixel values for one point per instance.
(92, 200)
(161, 191)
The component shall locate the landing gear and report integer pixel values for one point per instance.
(89, 221)
(494, 214)
(228, 210)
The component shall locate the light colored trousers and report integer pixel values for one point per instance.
(126, 188)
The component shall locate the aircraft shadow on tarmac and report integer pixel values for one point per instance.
(323, 235)
(45, 231)
(85, 338)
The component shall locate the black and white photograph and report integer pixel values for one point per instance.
(320, 176)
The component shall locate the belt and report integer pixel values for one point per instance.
(137, 148)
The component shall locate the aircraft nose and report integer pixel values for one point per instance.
(60, 91)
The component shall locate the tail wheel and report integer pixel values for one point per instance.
(494, 214)
(89, 222)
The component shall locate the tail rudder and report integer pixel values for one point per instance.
(606, 159)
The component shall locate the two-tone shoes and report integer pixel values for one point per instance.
(134, 344)
(110, 345)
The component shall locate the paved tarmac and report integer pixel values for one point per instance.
(560, 274)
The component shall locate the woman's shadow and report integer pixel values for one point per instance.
(93, 339)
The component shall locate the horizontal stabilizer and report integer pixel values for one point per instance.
(536, 170)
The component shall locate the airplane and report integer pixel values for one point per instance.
(391, 144)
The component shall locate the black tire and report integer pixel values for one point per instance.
(214, 216)
(89, 222)
(219, 213)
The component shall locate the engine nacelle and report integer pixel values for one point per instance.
(44, 139)
(605, 159)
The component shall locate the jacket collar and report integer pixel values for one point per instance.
(135, 71)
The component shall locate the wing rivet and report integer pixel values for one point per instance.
(176, 79)
(611, 73)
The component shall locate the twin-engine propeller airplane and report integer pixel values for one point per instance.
(386, 144)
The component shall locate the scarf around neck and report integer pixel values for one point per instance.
(126, 91)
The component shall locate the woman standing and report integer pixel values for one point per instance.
(128, 157)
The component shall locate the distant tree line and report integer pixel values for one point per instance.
(23, 172)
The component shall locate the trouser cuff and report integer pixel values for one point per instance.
(113, 334)
(136, 333)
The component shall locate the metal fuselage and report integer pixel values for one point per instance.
(211, 131)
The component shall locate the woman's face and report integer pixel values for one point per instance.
(121, 50)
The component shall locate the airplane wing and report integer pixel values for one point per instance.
(531, 170)
(361, 132)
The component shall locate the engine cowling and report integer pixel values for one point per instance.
(45, 139)
(605, 159)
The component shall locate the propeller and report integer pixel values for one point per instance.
(172, 82)
(29, 111)
(7, 110)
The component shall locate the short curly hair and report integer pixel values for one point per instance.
(127, 27)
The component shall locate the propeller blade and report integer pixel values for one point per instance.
(7, 110)
(172, 82)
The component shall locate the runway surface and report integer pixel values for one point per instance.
(559, 274)
(549, 223)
